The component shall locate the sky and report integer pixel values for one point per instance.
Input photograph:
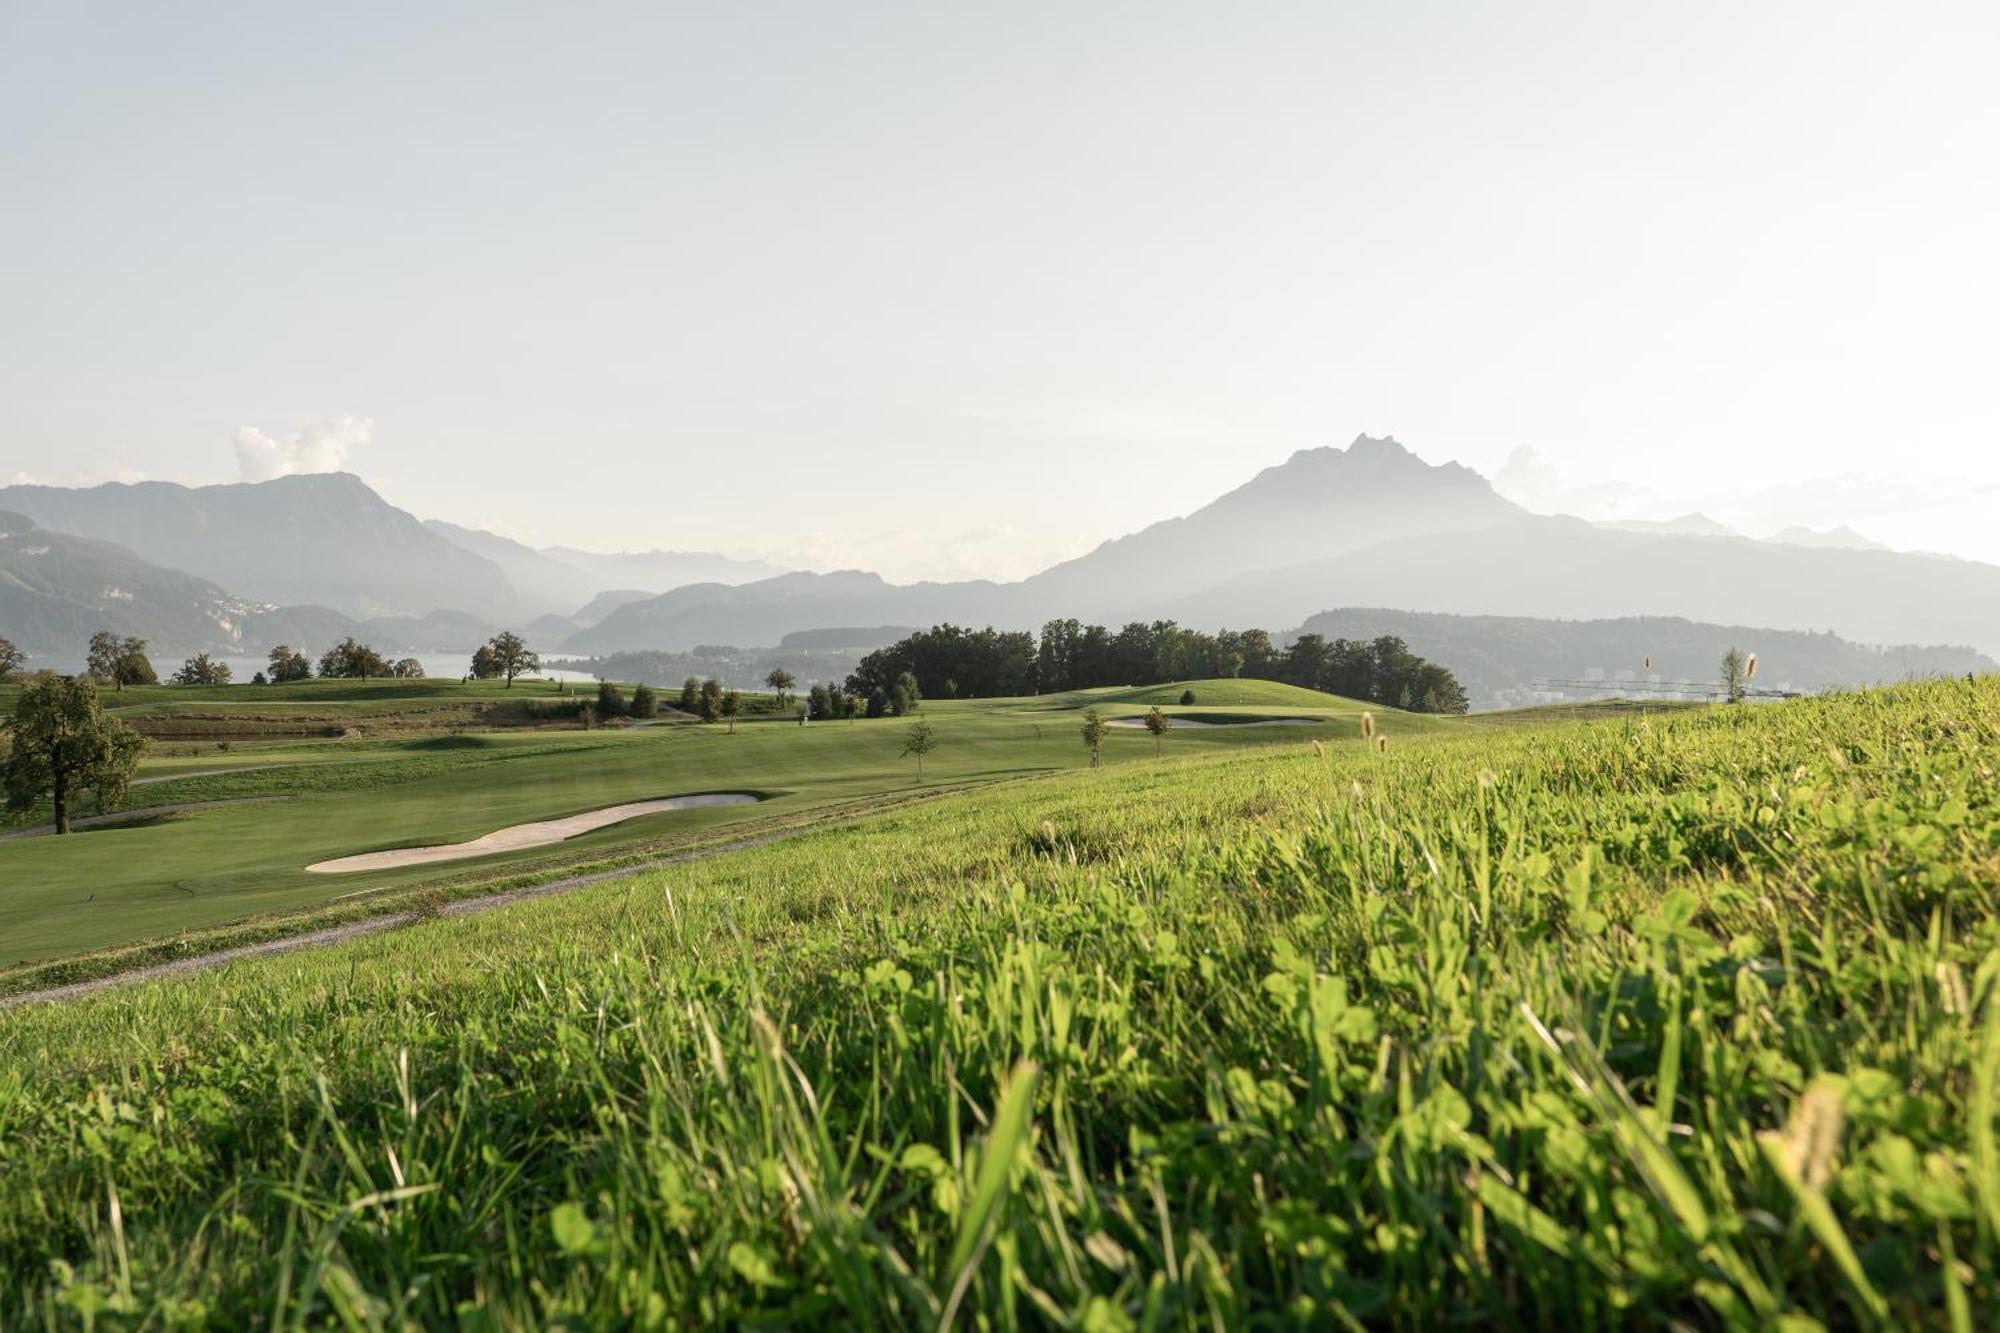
(949, 290)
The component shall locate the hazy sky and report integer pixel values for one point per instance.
(945, 290)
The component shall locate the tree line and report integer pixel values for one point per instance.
(951, 661)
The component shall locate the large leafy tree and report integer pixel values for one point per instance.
(119, 661)
(780, 683)
(512, 656)
(201, 669)
(348, 660)
(288, 665)
(62, 745)
(11, 659)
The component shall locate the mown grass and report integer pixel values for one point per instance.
(1683, 1022)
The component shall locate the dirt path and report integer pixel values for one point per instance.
(376, 924)
(517, 837)
(204, 773)
(140, 812)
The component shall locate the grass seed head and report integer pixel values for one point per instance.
(1381, 745)
(1367, 725)
(1750, 667)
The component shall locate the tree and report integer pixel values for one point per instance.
(512, 656)
(919, 740)
(1094, 729)
(905, 697)
(819, 702)
(610, 701)
(690, 695)
(708, 704)
(1187, 698)
(11, 659)
(201, 669)
(1735, 675)
(645, 704)
(485, 666)
(407, 668)
(732, 704)
(288, 665)
(878, 702)
(120, 662)
(63, 744)
(1157, 722)
(851, 706)
(348, 660)
(780, 682)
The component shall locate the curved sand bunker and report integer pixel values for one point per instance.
(524, 835)
(1196, 722)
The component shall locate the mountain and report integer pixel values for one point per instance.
(593, 611)
(1565, 568)
(56, 590)
(659, 571)
(543, 582)
(1498, 658)
(1317, 504)
(1371, 525)
(1838, 539)
(1687, 525)
(325, 539)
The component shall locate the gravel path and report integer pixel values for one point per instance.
(375, 924)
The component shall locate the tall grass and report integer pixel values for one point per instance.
(1665, 1022)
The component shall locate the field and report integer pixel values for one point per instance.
(1688, 1020)
(411, 767)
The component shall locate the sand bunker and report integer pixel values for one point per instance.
(1197, 722)
(524, 835)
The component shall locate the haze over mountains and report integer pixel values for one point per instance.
(305, 557)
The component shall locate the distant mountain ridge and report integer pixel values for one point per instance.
(325, 539)
(1498, 658)
(1371, 525)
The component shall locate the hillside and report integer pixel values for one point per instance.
(324, 540)
(1498, 658)
(56, 590)
(1575, 1027)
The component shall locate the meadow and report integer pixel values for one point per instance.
(406, 764)
(1677, 1021)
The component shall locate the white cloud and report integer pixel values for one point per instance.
(322, 446)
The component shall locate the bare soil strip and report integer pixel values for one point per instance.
(512, 839)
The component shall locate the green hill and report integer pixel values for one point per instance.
(1230, 693)
(1686, 1020)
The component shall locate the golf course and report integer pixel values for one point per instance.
(253, 803)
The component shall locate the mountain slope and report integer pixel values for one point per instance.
(1498, 658)
(659, 571)
(326, 539)
(1569, 569)
(544, 583)
(762, 613)
(57, 590)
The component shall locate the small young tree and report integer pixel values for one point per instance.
(780, 682)
(260, 679)
(610, 701)
(12, 659)
(1187, 698)
(512, 656)
(1094, 729)
(919, 740)
(645, 704)
(1735, 675)
(288, 664)
(201, 669)
(1157, 722)
(63, 744)
(732, 705)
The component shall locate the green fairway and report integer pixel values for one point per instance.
(116, 883)
(1660, 1021)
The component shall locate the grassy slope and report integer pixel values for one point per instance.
(1484, 1031)
(1235, 693)
(112, 885)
